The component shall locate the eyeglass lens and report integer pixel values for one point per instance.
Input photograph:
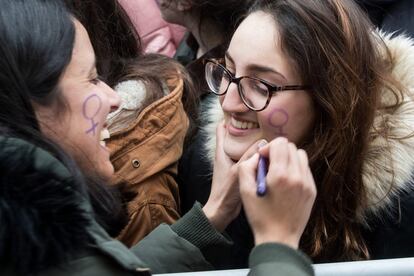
(253, 92)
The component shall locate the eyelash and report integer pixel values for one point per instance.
(96, 80)
(228, 67)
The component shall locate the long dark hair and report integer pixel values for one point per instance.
(37, 38)
(36, 45)
(334, 49)
(31, 64)
(112, 34)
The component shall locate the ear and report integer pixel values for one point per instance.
(184, 5)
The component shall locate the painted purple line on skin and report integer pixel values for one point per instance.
(87, 116)
(261, 176)
(281, 117)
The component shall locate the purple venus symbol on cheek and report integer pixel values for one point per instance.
(278, 118)
(91, 107)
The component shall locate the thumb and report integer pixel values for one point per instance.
(220, 154)
(247, 174)
(220, 132)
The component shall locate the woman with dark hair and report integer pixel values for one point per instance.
(317, 73)
(52, 130)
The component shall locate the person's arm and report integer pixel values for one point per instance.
(177, 248)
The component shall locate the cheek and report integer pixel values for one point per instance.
(274, 122)
(91, 108)
(221, 99)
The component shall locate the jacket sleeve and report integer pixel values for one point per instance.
(278, 259)
(156, 202)
(177, 248)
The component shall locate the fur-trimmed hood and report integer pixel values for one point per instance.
(382, 166)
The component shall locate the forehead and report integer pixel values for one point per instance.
(83, 56)
(257, 41)
(256, 36)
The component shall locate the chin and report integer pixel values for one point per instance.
(106, 172)
(235, 147)
(235, 152)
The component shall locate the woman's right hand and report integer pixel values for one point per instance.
(224, 202)
(283, 212)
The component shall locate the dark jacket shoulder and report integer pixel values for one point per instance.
(47, 222)
(391, 236)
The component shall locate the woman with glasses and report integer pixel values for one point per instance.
(317, 75)
(53, 110)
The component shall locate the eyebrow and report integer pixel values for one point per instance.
(257, 67)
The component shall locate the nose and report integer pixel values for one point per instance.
(231, 101)
(113, 98)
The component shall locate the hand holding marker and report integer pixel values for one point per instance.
(282, 214)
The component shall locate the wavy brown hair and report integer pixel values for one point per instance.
(335, 50)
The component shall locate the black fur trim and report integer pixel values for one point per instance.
(42, 223)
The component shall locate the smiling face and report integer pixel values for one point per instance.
(255, 51)
(81, 126)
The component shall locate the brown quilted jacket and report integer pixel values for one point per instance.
(145, 156)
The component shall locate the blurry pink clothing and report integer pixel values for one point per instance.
(157, 36)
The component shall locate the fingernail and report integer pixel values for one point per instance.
(262, 143)
(282, 139)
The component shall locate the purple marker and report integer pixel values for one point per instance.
(261, 176)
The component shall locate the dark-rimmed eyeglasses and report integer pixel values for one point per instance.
(254, 92)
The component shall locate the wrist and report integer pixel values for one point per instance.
(290, 240)
(213, 214)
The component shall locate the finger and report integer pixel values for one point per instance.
(303, 162)
(279, 154)
(294, 167)
(247, 173)
(253, 149)
(220, 134)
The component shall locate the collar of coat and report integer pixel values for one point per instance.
(381, 166)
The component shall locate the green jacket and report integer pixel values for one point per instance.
(48, 228)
